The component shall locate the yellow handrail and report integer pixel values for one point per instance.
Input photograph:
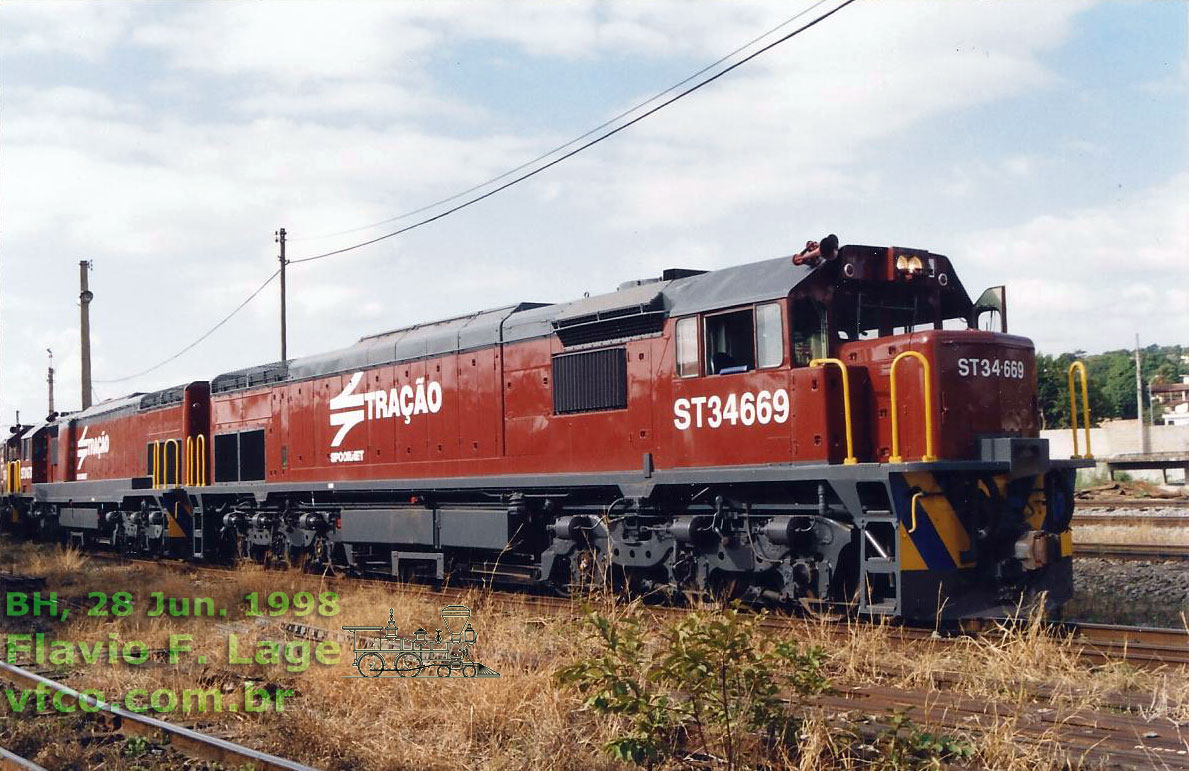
(200, 459)
(913, 506)
(156, 465)
(12, 482)
(1073, 408)
(196, 460)
(850, 444)
(928, 456)
(177, 461)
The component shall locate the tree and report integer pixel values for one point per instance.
(1112, 382)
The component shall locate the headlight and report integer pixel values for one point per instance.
(910, 265)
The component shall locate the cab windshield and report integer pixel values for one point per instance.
(884, 309)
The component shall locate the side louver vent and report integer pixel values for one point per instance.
(606, 324)
(250, 378)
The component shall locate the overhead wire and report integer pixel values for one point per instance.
(204, 336)
(580, 148)
(573, 141)
(525, 176)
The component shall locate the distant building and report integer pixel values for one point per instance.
(1173, 399)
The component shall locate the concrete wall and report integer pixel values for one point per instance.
(1121, 437)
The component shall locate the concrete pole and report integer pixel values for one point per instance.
(1139, 400)
(84, 303)
(284, 331)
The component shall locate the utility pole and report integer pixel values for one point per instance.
(1139, 399)
(280, 238)
(50, 380)
(84, 303)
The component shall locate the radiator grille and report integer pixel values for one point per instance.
(591, 380)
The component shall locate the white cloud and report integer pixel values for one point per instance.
(78, 30)
(1092, 278)
(288, 42)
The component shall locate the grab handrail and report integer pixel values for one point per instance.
(850, 444)
(1073, 408)
(177, 462)
(196, 460)
(928, 456)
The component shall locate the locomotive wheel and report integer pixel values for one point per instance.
(443, 670)
(323, 558)
(119, 541)
(586, 574)
(408, 665)
(370, 664)
(297, 558)
(469, 670)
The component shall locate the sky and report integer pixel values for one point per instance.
(1041, 145)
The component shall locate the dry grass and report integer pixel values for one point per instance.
(523, 719)
(336, 720)
(1137, 534)
(57, 566)
(1012, 663)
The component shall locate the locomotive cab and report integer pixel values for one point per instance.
(870, 359)
(930, 390)
(873, 306)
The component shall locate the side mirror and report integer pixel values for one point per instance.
(991, 300)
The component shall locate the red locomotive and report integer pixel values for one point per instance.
(833, 431)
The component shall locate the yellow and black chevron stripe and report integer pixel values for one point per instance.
(935, 538)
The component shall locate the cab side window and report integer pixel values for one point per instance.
(688, 364)
(809, 332)
(769, 335)
(730, 342)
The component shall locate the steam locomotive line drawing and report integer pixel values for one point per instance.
(380, 649)
(831, 430)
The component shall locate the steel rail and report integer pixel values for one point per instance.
(1130, 520)
(1132, 551)
(1151, 635)
(12, 762)
(183, 739)
(1131, 503)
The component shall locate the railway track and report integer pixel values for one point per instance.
(1131, 520)
(1131, 503)
(1083, 737)
(1151, 644)
(185, 740)
(1132, 551)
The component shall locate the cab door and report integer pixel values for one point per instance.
(732, 401)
